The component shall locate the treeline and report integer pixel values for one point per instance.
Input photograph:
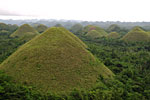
(69, 23)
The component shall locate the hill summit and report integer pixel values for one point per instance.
(137, 35)
(55, 61)
(25, 31)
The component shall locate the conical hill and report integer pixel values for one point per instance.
(40, 28)
(113, 35)
(94, 31)
(25, 31)
(55, 61)
(94, 34)
(76, 29)
(136, 35)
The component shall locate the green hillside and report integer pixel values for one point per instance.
(113, 35)
(136, 35)
(25, 32)
(55, 61)
(40, 28)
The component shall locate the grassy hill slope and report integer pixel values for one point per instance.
(25, 32)
(136, 35)
(55, 61)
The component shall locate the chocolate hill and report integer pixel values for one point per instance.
(56, 61)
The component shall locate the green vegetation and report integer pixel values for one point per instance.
(57, 65)
(40, 28)
(12, 91)
(6, 29)
(113, 35)
(129, 62)
(25, 32)
(55, 61)
(7, 47)
(136, 35)
(116, 28)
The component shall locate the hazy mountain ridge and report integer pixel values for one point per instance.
(69, 23)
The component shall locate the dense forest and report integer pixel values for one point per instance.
(128, 60)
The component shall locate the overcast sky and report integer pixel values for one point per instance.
(91, 10)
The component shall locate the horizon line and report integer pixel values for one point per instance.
(58, 19)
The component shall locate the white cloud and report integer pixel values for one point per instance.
(105, 10)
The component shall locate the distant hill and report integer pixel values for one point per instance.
(76, 29)
(114, 28)
(94, 31)
(58, 25)
(55, 61)
(136, 35)
(113, 35)
(88, 28)
(94, 34)
(25, 32)
(8, 27)
(40, 28)
(3, 26)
